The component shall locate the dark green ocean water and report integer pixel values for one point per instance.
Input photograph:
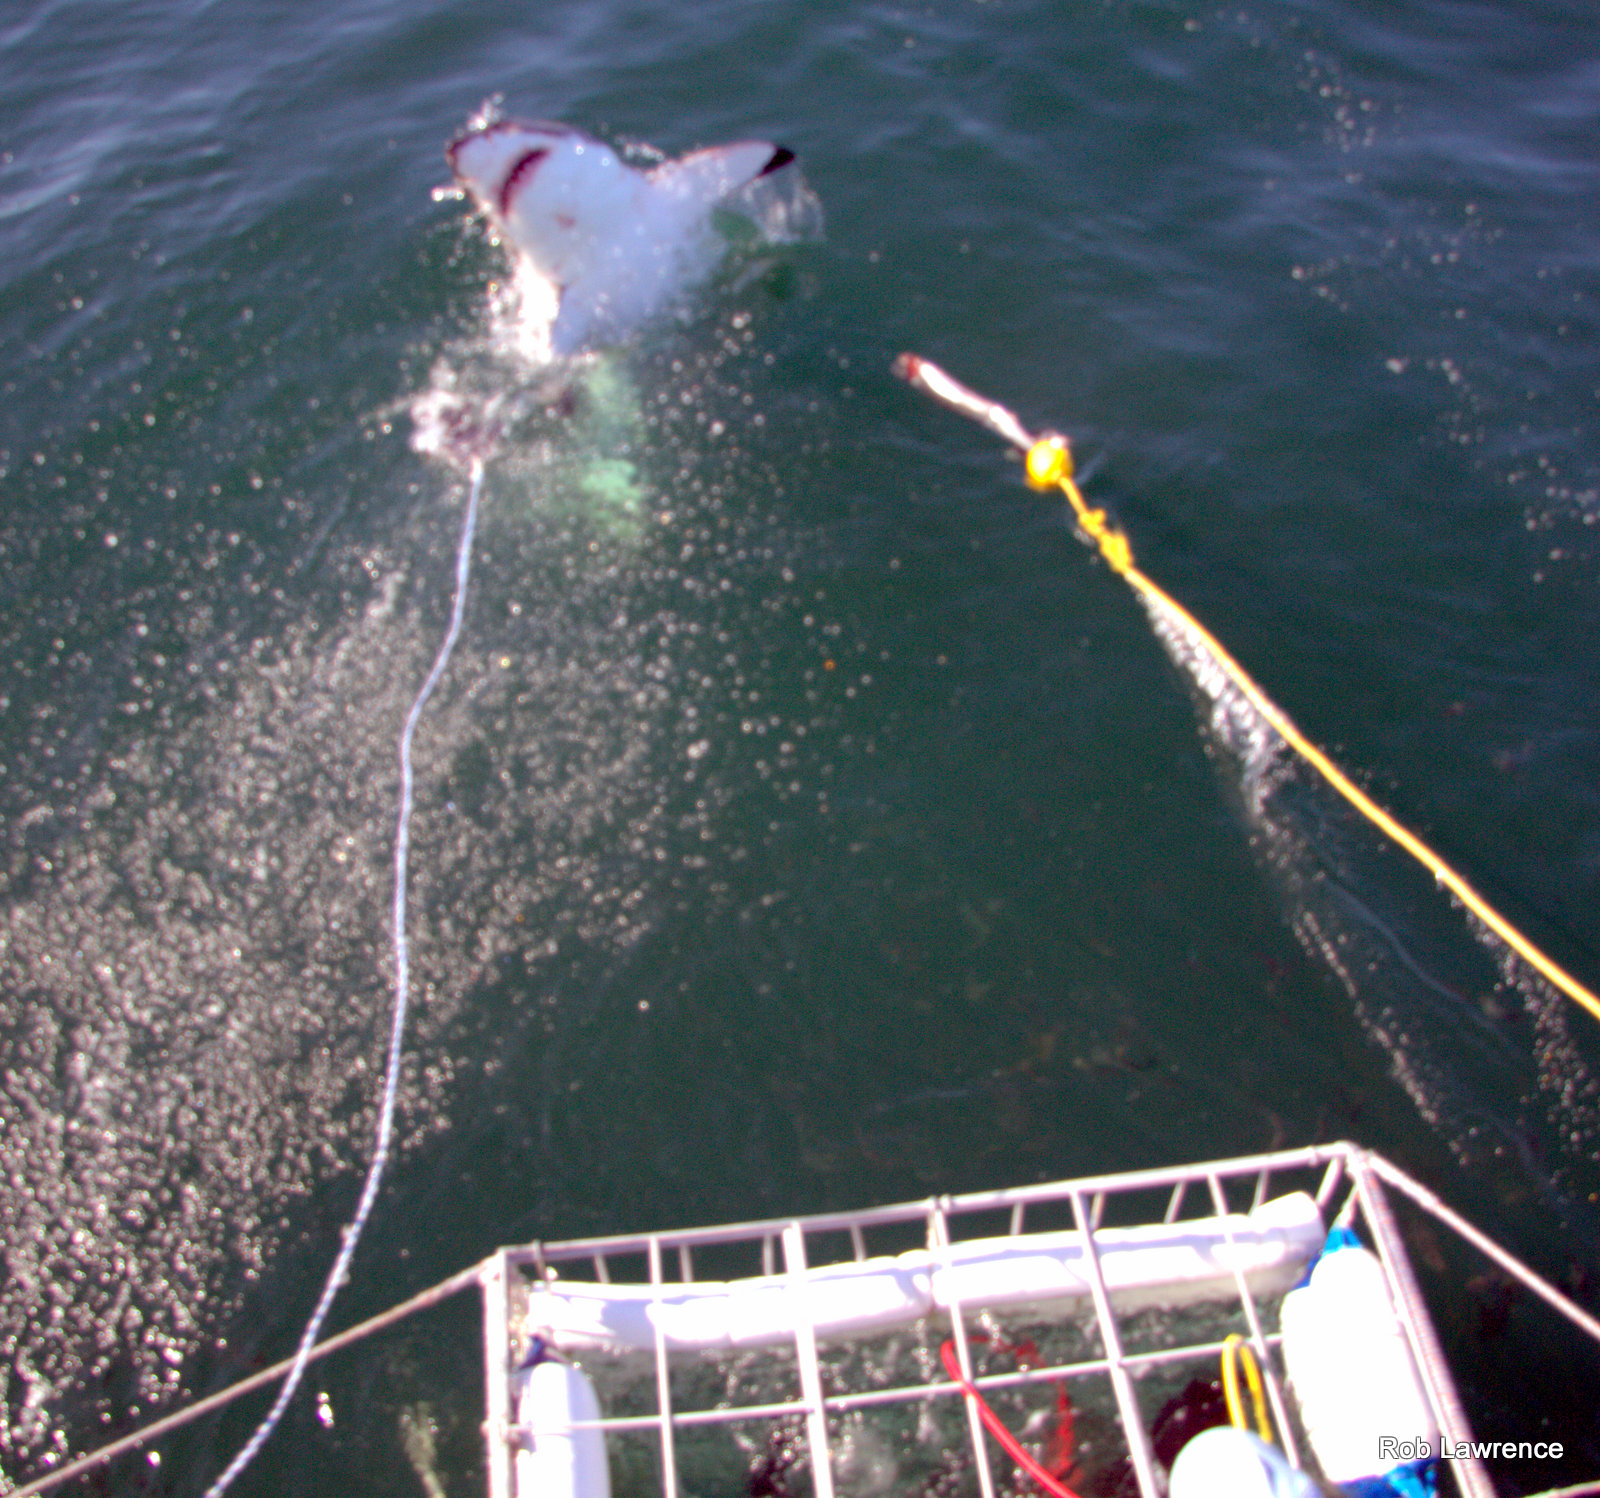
(839, 831)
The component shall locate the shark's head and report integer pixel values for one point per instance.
(554, 192)
(614, 242)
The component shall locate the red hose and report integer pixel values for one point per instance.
(992, 1423)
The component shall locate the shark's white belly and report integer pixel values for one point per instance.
(615, 245)
(633, 268)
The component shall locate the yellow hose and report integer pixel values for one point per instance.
(1236, 1352)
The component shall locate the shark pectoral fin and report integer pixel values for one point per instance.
(706, 177)
(586, 311)
(568, 330)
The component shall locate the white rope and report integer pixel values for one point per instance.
(402, 987)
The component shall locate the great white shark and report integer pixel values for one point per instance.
(615, 244)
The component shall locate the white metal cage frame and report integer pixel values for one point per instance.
(943, 1228)
(1346, 1181)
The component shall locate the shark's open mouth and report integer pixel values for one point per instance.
(525, 165)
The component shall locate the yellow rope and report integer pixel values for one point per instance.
(1049, 466)
(1049, 462)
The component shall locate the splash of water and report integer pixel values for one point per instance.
(351, 1236)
